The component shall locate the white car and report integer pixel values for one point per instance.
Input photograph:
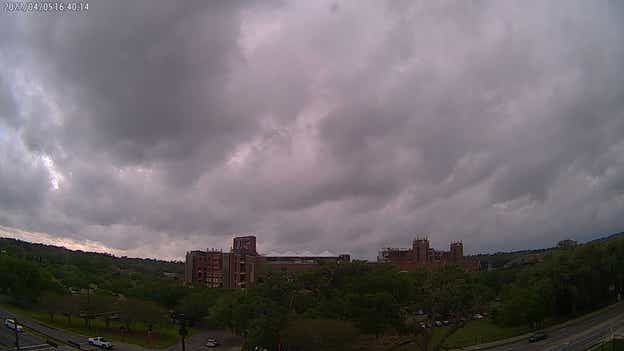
(477, 316)
(100, 342)
(10, 323)
(212, 343)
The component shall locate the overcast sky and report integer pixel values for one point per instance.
(150, 128)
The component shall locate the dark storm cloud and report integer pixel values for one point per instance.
(147, 81)
(154, 128)
(23, 181)
(8, 107)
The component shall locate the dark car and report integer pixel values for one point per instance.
(537, 337)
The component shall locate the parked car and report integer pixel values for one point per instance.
(537, 336)
(100, 342)
(438, 323)
(477, 316)
(446, 323)
(10, 323)
(212, 343)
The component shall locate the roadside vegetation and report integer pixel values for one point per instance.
(613, 345)
(483, 331)
(355, 306)
(162, 334)
(123, 299)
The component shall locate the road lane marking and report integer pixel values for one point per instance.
(588, 333)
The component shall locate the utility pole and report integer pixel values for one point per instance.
(183, 332)
(181, 319)
(17, 346)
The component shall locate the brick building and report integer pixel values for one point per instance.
(422, 255)
(239, 268)
(194, 267)
(296, 264)
(204, 268)
(243, 266)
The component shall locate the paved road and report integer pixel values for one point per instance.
(7, 338)
(576, 336)
(27, 340)
(196, 342)
(64, 336)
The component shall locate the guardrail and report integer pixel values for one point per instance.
(610, 344)
(51, 343)
(50, 340)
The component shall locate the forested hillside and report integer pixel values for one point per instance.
(36, 267)
(352, 301)
(358, 301)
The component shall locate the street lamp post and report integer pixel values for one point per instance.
(15, 325)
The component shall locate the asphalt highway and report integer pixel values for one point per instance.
(30, 342)
(578, 336)
(27, 341)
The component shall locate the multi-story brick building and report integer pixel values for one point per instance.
(243, 266)
(191, 267)
(239, 265)
(204, 268)
(245, 245)
(214, 268)
(422, 255)
(296, 264)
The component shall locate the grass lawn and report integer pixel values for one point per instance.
(474, 332)
(162, 336)
(481, 331)
(608, 346)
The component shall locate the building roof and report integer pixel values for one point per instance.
(299, 254)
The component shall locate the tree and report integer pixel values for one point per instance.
(21, 280)
(373, 312)
(260, 313)
(70, 306)
(523, 305)
(197, 305)
(319, 334)
(99, 306)
(51, 303)
(222, 311)
(133, 310)
(447, 293)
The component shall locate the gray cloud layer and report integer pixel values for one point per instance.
(154, 128)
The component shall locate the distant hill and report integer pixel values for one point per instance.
(57, 254)
(78, 269)
(500, 259)
(610, 237)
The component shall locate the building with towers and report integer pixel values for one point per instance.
(243, 266)
(422, 255)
